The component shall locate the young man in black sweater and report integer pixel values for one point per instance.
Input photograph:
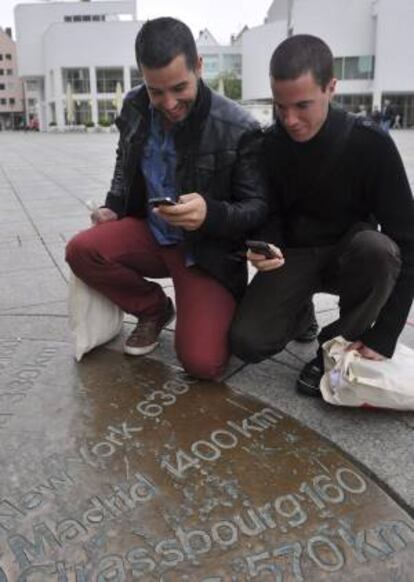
(342, 221)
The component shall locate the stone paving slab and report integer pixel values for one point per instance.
(66, 170)
(122, 468)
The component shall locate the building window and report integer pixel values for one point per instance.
(1, 71)
(2, 86)
(3, 101)
(31, 102)
(403, 105)
(31, 85)
(347, 68)
(211, 65)
(85, 18)
(359, 68)
(52, 113)
(106, 110)
(12, 101)
(232, 64)
(8, 57)
(82, 113)
(107, 79)
(136, 77)
(1, 57)
(10, 71)
(353, 102)
(78, 80)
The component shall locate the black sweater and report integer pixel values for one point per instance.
(320, 190)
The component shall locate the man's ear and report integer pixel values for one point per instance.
(199, 66)
(331, 86)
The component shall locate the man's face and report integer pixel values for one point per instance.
(302, 105)
(173, 89)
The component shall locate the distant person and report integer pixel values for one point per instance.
(333, 180)
(376, 115)
(362, 111)
(397, 121)
(185, 191)
(387, 115)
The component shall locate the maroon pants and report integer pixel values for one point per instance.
(116, 257)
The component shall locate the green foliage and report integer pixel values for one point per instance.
(232, 88)
(230, 82)
(103, 122)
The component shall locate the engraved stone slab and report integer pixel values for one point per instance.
(120, 469)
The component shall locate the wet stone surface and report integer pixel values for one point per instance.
(121, 469)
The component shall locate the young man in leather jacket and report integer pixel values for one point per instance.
(181, 141)
(341, 221)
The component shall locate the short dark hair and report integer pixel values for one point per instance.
(160, 40)
(301, 54)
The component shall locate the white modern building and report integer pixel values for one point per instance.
(372, 42)
(73, 56)
(85, 48)
(222, 64)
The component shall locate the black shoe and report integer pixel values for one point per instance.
(310, 377)
(309, 335)
(311, 332)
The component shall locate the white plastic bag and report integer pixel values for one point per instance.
(93, 319)
(351, 380)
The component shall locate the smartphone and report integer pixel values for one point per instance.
(261, 248)
(165, 201)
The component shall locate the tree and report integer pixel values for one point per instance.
(227, 83)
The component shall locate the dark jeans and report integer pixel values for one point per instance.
(362, 270)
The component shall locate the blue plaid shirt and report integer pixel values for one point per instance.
(158, 166)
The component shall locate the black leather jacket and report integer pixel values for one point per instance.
(218, 149)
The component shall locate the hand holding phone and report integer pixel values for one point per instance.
(164, 201)
(260, 247)
(271, 256)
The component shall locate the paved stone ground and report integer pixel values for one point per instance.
(45, 181)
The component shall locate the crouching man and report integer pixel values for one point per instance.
(185, 191)
(342, 221)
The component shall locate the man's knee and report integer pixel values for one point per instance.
(203, 366)
(79, 254)
(250, 345)
(75, 249)
(374, 253)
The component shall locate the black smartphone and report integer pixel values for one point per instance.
(261, 248)
(165, 201)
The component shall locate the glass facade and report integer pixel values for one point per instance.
(403, 104)
(82, 113)
(107, 79)
(106, 110)
(85, 18)
(352, 102)
(78, 79)
(347, 68)
(211, 65)
(232, 64)
(52, 113)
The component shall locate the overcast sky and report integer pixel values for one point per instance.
(221, 17)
